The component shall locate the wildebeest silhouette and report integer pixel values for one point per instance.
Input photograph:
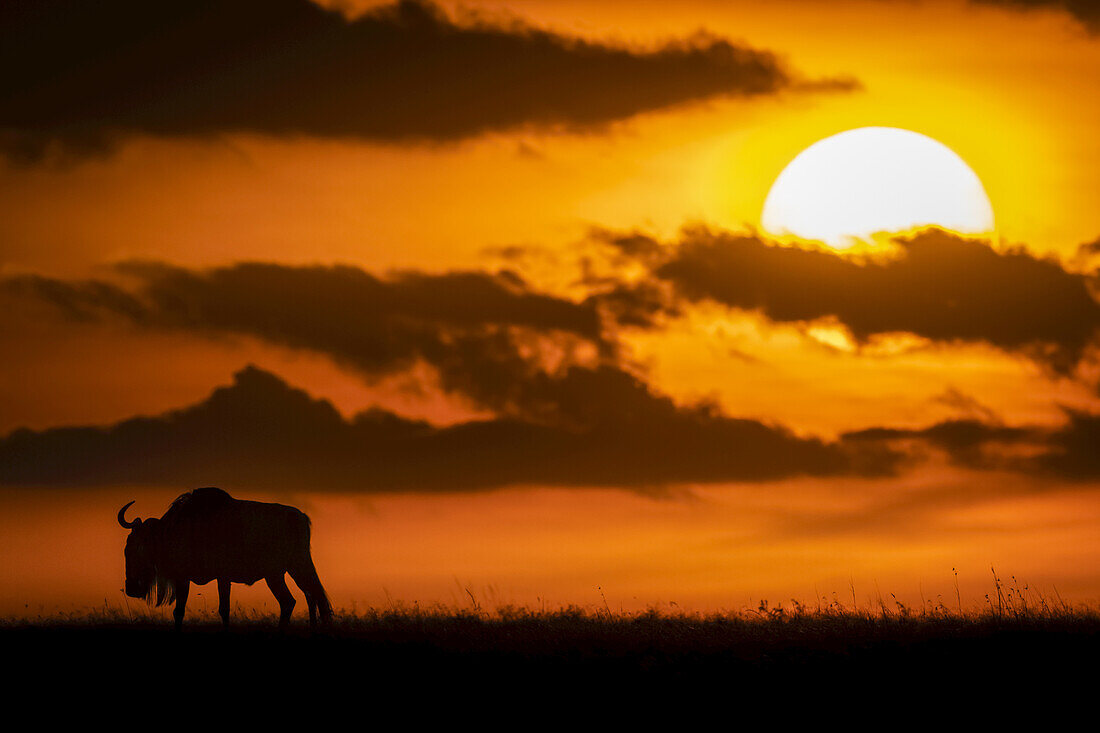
(208, 535)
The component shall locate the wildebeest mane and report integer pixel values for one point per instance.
(197, 503)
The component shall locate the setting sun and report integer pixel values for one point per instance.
(875, 179)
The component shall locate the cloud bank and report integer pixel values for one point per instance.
(77, 76)
(569, 410)
(261, 434)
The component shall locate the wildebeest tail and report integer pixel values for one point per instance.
(320, 597)
(307, 579)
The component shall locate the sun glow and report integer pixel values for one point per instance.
(869, 180)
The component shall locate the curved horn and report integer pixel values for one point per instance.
(122, 518)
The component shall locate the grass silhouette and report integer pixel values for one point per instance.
(1017, 638)
(1009, 606)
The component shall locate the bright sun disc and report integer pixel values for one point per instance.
(875, 179)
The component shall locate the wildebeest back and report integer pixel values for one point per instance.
(213, 535)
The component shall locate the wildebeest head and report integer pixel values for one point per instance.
(141, 568)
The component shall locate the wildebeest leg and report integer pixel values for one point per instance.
(223, 602)
(277, 584)
(311, 602)
(183, 587)
(302, 581)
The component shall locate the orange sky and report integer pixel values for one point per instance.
(1011, 92)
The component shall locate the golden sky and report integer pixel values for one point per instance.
(483, 287)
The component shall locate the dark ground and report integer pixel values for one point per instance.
(538, 665)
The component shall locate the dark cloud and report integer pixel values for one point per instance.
(345, 311)
(261, 434)
(1087, 12)
(76, 75)
(966, 405)
(1073, 448)
(938, 286)
(78, 301)
(1085, 257)
(967, 442)
(1066, 452)
(638, 305)
(489, 336)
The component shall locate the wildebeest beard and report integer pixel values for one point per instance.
(143, 580)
